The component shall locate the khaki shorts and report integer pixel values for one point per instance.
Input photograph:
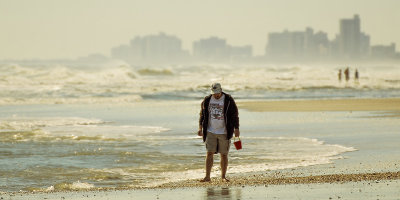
(217, 143)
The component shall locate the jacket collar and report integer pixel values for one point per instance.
(226, 95)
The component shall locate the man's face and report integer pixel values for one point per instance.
(217, 95)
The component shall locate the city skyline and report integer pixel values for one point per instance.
(350, 43)
(47, 29)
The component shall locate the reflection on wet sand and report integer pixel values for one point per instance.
(223, 193)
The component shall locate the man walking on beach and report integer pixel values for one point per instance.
(219, 119)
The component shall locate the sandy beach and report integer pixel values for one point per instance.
(282, 178)
(378, 189)
(389, 104)
(371, 172)
(335, 186)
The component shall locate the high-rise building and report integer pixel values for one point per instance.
(383, 51)
(216, 49)
(320, 44)
(238, 52)
(212, 48)
(352, 42)
(159, 47)
(124, 52)
(365, 44)
(297, 44)
(279, 44)
(349, 38)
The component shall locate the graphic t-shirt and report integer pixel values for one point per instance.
(216, 123)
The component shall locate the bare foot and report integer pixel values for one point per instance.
(205, 180)
(225, 180)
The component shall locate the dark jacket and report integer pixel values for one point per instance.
(230, 112)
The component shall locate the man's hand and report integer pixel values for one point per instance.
(237, 132)
(200, 132)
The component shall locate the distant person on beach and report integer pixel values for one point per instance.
(340, 75)
(356, 75)
(219, 120)
(347, 74)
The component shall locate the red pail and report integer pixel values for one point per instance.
(238, 144)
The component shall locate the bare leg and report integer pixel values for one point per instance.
(224, 166)
(209, 164)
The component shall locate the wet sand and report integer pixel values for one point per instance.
(392, 104)
(335, 186)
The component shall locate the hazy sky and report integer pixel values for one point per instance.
(71, 28)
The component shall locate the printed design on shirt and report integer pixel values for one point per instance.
(216, 111)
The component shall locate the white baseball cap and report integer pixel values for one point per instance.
(216, 88)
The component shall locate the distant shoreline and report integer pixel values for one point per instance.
(381, 104)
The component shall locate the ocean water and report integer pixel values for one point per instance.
(68, 128)
(126, 84)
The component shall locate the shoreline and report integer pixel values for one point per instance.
(377, 104)
(277, 178)
(281, 179)
(279, 186)
(351, 190)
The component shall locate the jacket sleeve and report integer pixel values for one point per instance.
(201, 118)
(235, 115)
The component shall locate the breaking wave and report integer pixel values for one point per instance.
(69, 129)
(155, 72)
